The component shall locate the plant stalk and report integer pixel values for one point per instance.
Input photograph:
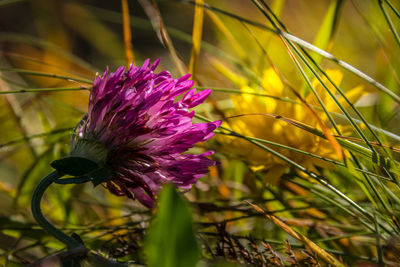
(38, 215)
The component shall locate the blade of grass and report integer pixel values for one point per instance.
(228, 35)
(367, 141)
(359, 150)
(389, 22)
(369, 181)
(30, 137)
(341, 116)
(140, 23)
(196, 36)
(43, 74)
(355, 126)
(306, 153)
(236, 91)
(362, 151)
(378, 195)
(378, 244)
(35, 90)
(325, 34)
(322, 83)
(307, 242)
(309, 68)
(126, 26)
(228, 90)
(395, 149)
(153, 13)
(345, 65)
(360, 182)
(317, 178)
(380, 40)
(351, 119)
(285, 147)
(287, 42)
(393, 8)
(311, 47)
(331, 238)
(324, 128)
(321, 194)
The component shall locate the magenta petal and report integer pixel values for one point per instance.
(143, 197)
(191, 99)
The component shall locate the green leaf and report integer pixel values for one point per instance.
(75, 166)
(171, 241)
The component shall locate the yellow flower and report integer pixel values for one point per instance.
(272, 129)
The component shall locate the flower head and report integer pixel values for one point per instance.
(138, 132)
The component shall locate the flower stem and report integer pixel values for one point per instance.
(37, 212)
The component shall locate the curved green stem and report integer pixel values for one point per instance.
(37, 212)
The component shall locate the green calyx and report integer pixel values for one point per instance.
(91, 150)
(86, 161)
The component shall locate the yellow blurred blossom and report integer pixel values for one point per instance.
(272, 129)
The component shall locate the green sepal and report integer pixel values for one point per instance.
(100, 176)
(73, 180)
(83, 169)
(75, 166)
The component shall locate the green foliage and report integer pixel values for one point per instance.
(170, 241)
